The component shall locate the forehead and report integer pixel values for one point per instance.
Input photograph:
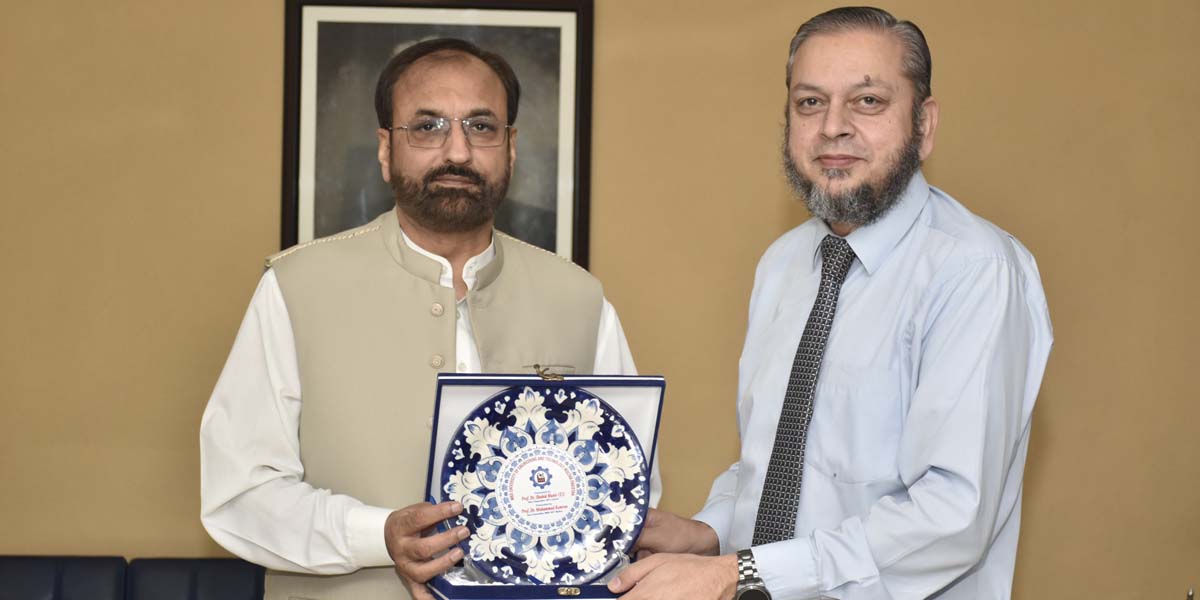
(835, 60)
(451, 83)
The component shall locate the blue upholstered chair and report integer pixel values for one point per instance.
(193, 579)
(62, 578)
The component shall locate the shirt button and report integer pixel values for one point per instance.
(436, 361)
(437, 309)
(462, 367)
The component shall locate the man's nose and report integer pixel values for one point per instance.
(836, 123)
(457, 148)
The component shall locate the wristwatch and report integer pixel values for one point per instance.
(749, 586)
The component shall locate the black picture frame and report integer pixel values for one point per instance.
(322, 196)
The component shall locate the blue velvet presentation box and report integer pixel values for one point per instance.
(554, 477)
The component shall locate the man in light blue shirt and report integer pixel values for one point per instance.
(920, 421)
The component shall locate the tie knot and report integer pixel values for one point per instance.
(837, 255)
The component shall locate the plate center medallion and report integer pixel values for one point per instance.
(541, 490)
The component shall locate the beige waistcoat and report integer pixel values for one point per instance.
(373, 328)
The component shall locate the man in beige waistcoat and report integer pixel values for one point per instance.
(314, 444)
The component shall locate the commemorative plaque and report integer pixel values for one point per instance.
(553, 479)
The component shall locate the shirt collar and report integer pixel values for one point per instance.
(470, 270)
(872, 243)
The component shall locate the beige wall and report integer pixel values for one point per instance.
(139, 169)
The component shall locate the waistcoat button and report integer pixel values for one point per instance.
(436, 361)
(437, 309)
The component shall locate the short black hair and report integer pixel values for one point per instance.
(402, 61)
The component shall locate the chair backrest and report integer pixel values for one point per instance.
(194, 579)
(62, 578)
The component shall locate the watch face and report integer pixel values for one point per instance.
(753, 593)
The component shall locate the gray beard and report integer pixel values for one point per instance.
(861, 205)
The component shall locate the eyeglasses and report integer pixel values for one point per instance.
(431, 132)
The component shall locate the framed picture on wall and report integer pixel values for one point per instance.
(334, 53)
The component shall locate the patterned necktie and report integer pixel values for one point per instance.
(776, 520)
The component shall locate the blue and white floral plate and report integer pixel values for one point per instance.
(553, 482)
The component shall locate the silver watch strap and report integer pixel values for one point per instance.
(747, 568)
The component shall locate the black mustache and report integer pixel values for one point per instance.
(456, 171)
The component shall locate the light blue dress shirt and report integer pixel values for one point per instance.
(916, 450)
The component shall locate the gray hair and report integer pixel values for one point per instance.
(918, 65)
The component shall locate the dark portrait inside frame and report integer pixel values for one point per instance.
(340, 186)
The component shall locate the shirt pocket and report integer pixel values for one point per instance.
(857, 416)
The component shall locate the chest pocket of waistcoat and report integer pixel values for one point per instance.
(855, 432)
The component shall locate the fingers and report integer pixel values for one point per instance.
(414, 519)
(417, 558)
(669, 533)
(661, 533)
(647, 538)
(678, 577)
(419, 592)
(421, 572)
(649, 542)
(631, 575)
(423, 549)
